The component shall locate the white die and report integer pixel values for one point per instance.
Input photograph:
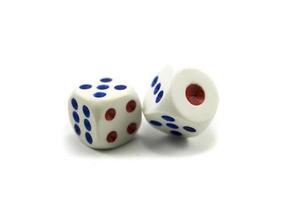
(105, 114)
(181, 102)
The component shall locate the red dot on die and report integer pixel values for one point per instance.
(131, 105)
(110, 114)
(195, 94)
(131, 128)
(111, 137)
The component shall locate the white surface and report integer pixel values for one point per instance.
(100, 127)
(250, 49)
(174, 102)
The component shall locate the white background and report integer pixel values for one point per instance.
(251, 49)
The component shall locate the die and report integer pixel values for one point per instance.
(181, 102)
(105, 114)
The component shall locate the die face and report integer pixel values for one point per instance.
(191, 98)
(83, 120)
(119, 121)
(194, 95)
(173, 125)
(105, 89)
(105, 119)
(157, 96)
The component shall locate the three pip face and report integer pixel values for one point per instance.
(107, 113)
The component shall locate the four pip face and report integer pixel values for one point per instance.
(107, 113)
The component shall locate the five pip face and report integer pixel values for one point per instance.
(107, 113)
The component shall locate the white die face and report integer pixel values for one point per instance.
(157, 95)
(105, 114)
(173, 125)
(189, 98)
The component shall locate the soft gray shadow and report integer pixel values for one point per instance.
(133, 148)
(74, 145)
(148, 143)
(168, 145)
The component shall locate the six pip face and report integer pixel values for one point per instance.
(105, 114)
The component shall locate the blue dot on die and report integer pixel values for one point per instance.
(154, 81)
(155, 123)
(173, 126)
(86, 111)
(87, 125)
(120, 87)
(85, 86)
(88, 138)
(156, 89)
(168, 118)
(99, 94)
(76, 117)
(102, 87)
(189, 129)
(77, 129)
(177, 133)
(74, 103)
(159, 96)
(106, 80)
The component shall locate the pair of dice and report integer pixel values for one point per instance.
(108, 113)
